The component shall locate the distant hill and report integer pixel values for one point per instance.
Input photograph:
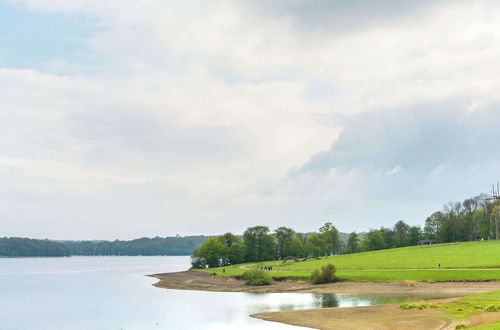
(172, 246)
(26, 247)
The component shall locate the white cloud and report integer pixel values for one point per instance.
(212, 101)
(396, 169)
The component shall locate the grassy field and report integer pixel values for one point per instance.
(470, 261)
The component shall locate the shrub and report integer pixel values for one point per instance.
(257, 277)
(492, 308)
(325, 274)
(419, 306)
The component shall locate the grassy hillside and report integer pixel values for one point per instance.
(463, 261)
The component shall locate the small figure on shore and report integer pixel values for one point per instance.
(439, 266)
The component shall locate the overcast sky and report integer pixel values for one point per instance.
(122, 119)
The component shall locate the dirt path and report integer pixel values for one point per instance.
(192, 280)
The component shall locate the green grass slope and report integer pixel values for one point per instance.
(470, 261)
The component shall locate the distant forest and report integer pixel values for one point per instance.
(172, 246)
(26, 247)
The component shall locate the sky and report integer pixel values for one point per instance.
(123, 119)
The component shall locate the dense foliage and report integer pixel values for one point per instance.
(474, 219)
(26, 247)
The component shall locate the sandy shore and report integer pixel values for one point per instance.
(389, 317)
(202, 281)
(371, 317)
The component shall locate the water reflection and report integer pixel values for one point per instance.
(327, 300)
(271, 302)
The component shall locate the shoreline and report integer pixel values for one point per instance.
(389, 316)
(203, 281)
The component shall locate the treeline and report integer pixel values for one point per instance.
(259, 244)
(172, 246)
(473, 219)
(26, 247)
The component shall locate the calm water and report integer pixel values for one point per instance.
(113, 293)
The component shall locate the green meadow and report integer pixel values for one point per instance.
(470, 261)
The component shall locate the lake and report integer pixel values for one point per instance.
(114, 293)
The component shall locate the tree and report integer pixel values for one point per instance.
(373, 241)
(298, 246)
(482, 222)
(234, 249)
(209, 254)
(433, 225)
(330, 235)
(353, 243)
(414, 235)
(401, 233)
(389, 237)
(259, 245)
(470, 206)
(284, 239)
(315, 245)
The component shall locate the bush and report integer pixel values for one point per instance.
(325, 274)
(419, 306)
(257, 277)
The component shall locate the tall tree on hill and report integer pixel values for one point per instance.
(284, 239)
(373, 241)
(234, 249)
(259, 245)
(470, 206)
(298, 246)
(389, 237)
(401, 233)
(451, 229)
(316, 246)
(433, 225)
(414, 235)
(353, 243)
(480, 218)
(330, 235)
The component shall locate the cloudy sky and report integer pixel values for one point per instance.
(122, 119)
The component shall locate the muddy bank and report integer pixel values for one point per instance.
(390, 317)
(372, 317)
(192, 280)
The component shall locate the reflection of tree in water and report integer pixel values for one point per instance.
(327, 300)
